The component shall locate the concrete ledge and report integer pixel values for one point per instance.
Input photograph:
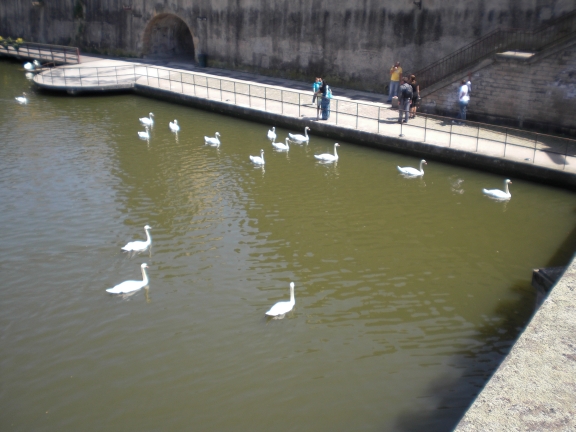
(534, 388)
(478, 161)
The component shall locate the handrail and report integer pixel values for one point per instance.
(505, 142)
(496, 41)
(54, 53)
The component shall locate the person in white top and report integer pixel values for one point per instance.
(463, 98)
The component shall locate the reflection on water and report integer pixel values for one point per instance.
(408, 291)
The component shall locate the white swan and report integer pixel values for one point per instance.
(144, 135)
(272, 134)
(499, 194)
(258, 160)
(29, 66)
(282, 308)
(21, 99)
(280, 146)
(413, 172)
(212, 141)
(139, 246)
(131, 285)
(327, 157)
(148, 121)
(174, 126)
(300, 138)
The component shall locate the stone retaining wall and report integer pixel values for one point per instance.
(538, 92)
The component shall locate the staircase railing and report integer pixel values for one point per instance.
(497, 41)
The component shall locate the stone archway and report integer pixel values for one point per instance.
(167, 35)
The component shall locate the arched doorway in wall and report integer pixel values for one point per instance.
(167, 35)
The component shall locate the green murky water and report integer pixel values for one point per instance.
(408, 291)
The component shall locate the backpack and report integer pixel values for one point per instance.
(406, 91)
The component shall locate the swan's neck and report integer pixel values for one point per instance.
(292, 299)
(506, 188)
(421, 163)
(148, 238)
(335, 152)
(286, 142)
(144, 276)
(306, 133)
(262, 156)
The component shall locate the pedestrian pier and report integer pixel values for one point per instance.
(358, 117)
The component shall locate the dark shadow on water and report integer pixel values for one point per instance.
(454, 396)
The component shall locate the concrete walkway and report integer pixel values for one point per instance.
(351, 109)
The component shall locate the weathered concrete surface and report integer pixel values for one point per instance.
(535, 387)
(347, 41)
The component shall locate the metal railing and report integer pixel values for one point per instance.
(497, 41)
(505, 142)
(53, 53)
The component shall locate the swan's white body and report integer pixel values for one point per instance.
(174, 126)
(148, 121)
(131, 285)
(280, 146)
(29, 66)
(413, 172)
(499, 194)
(272, 134)
(144, 135)
(282, 308)
(327, 157)
(258, 160)
(21, 99)
(300, 138)
(139, 246)
(215, 141)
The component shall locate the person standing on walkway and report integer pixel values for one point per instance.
(318, 98)
(415, 95)
(325, 103)
(404, 100)
(463, 98)
(315, 88)
(395, 74)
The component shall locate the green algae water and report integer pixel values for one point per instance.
(409, 292)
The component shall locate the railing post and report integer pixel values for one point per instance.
(477, 137)
(234, 92)
(265, 106)
(425, 126)
(450, 139)
(220, 90)
(505, 141)
(337, 109)
(282, 101)
(357, 115)
(378, 122)
(299, 103)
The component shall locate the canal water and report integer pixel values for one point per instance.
(409, 292)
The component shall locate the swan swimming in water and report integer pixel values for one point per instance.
(282, 308)
(272, 134)
(21, 99)
(327, 157)
(413, 172)
(148, 121)
(174, 126)
(130, 286)
(215, 141)
(144, 135)
(300, 138)
(499, 194)
(280, 146)
(258, 160)
(139, 246)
